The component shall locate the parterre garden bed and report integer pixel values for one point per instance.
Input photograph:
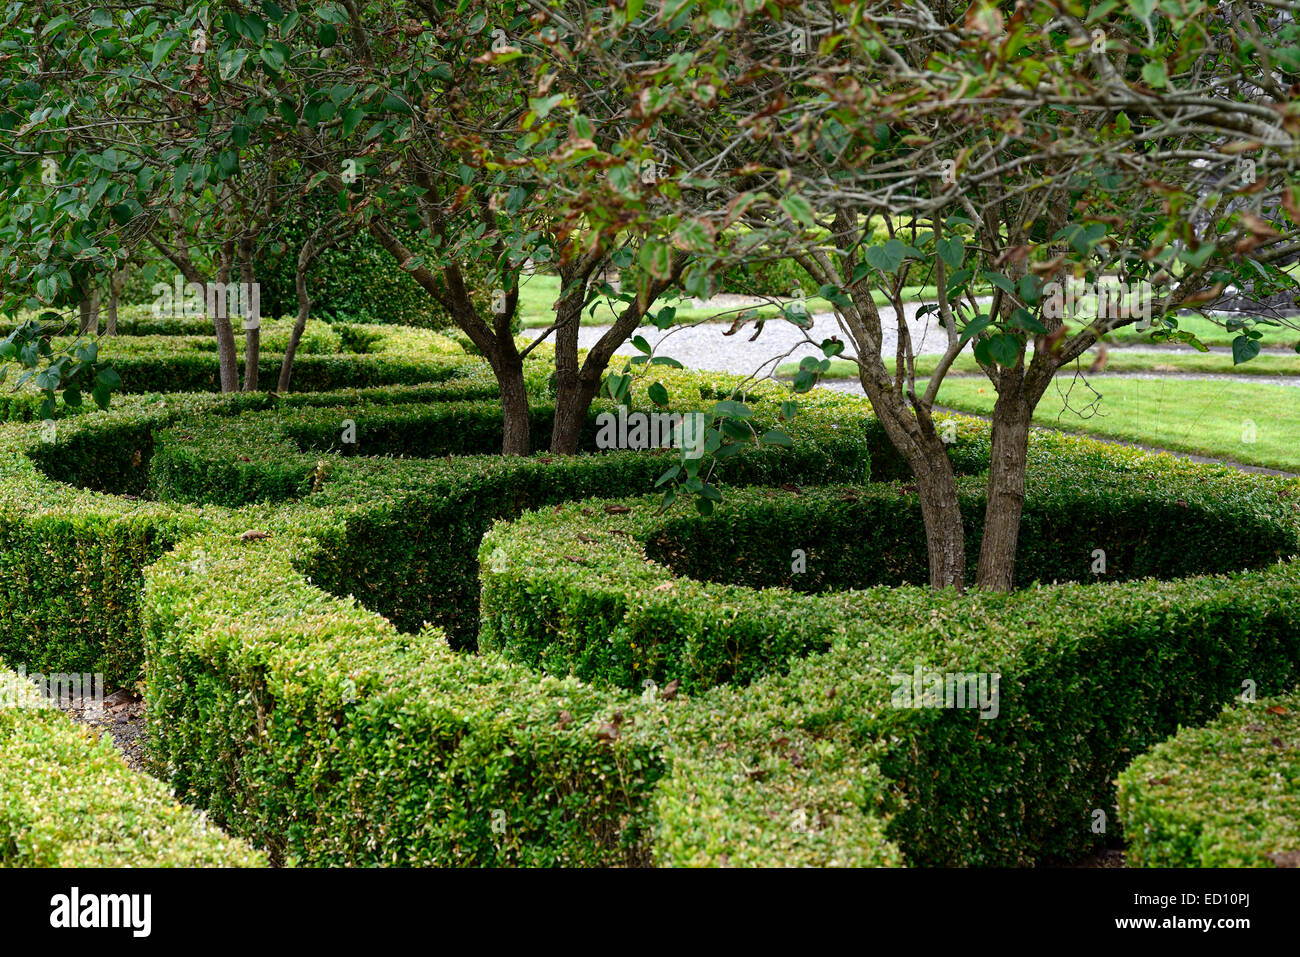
(429, 654)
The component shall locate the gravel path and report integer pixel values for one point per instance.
(703, 346)
(121, 715)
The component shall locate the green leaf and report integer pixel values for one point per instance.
(886, 258)
(975, 327)
(776, 437)
(1244, 348)
(656, 258)
(1198, 258)
(952, 252)
(1154, 74)
(658, 394)
(729, 407)
(999, 280)
(272, 58)
(668, 476)
(231, 62)
(1005, 348)
(799, 210)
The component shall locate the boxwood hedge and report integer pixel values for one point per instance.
(1089, 674)
(282, 702)
(68, 800)
(240, 654)
(1223, 795)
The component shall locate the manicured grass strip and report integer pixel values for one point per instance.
(1224, 795)
(1237, 421)
(1119, 360)
(1210, 332)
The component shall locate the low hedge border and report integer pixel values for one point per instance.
(405, 532)
(1223, 795)
(593, 819)
(1089, 673)
(784, 770)
(319, 731)
(68, 800)
(706, 601)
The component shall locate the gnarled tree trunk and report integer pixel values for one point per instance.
(1006, 488)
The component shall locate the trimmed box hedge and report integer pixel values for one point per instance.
(68, 800)
(1090, 674)
(331, 735)
(1223, 795)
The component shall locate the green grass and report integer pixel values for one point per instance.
(1188, 415)
(1210, 333)
(1119, 360)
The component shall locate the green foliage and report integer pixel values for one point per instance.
(67, 800)
(1089, 674)
(1223, 795)
(305, 722)
(774, 277)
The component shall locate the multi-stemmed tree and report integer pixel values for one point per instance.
(1007, 150)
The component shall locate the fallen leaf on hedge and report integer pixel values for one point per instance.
(253, 534)
(669, 690)
(617, 509)
(1276, 709)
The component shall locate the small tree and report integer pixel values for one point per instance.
(1005, 150)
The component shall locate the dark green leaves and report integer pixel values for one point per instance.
(1244, 348)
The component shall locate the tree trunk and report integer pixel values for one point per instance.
(516, 439)
(945, 536)
(89, 324)
(1006, 490)
(305, 256)
(252, 308)
(573, 398)
(574, 388)
(116, 283)
(226, 360)
(926, 455)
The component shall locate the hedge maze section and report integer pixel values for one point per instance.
(368, 640)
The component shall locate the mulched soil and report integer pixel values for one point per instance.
(121, 715)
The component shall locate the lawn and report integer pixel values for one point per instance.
(1118, 360)
(1241, 421)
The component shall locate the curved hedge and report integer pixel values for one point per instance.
(68, 800)
(282, 702)
(1089, 674)
(246, 658)
(1223, 795)
(618, 600)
